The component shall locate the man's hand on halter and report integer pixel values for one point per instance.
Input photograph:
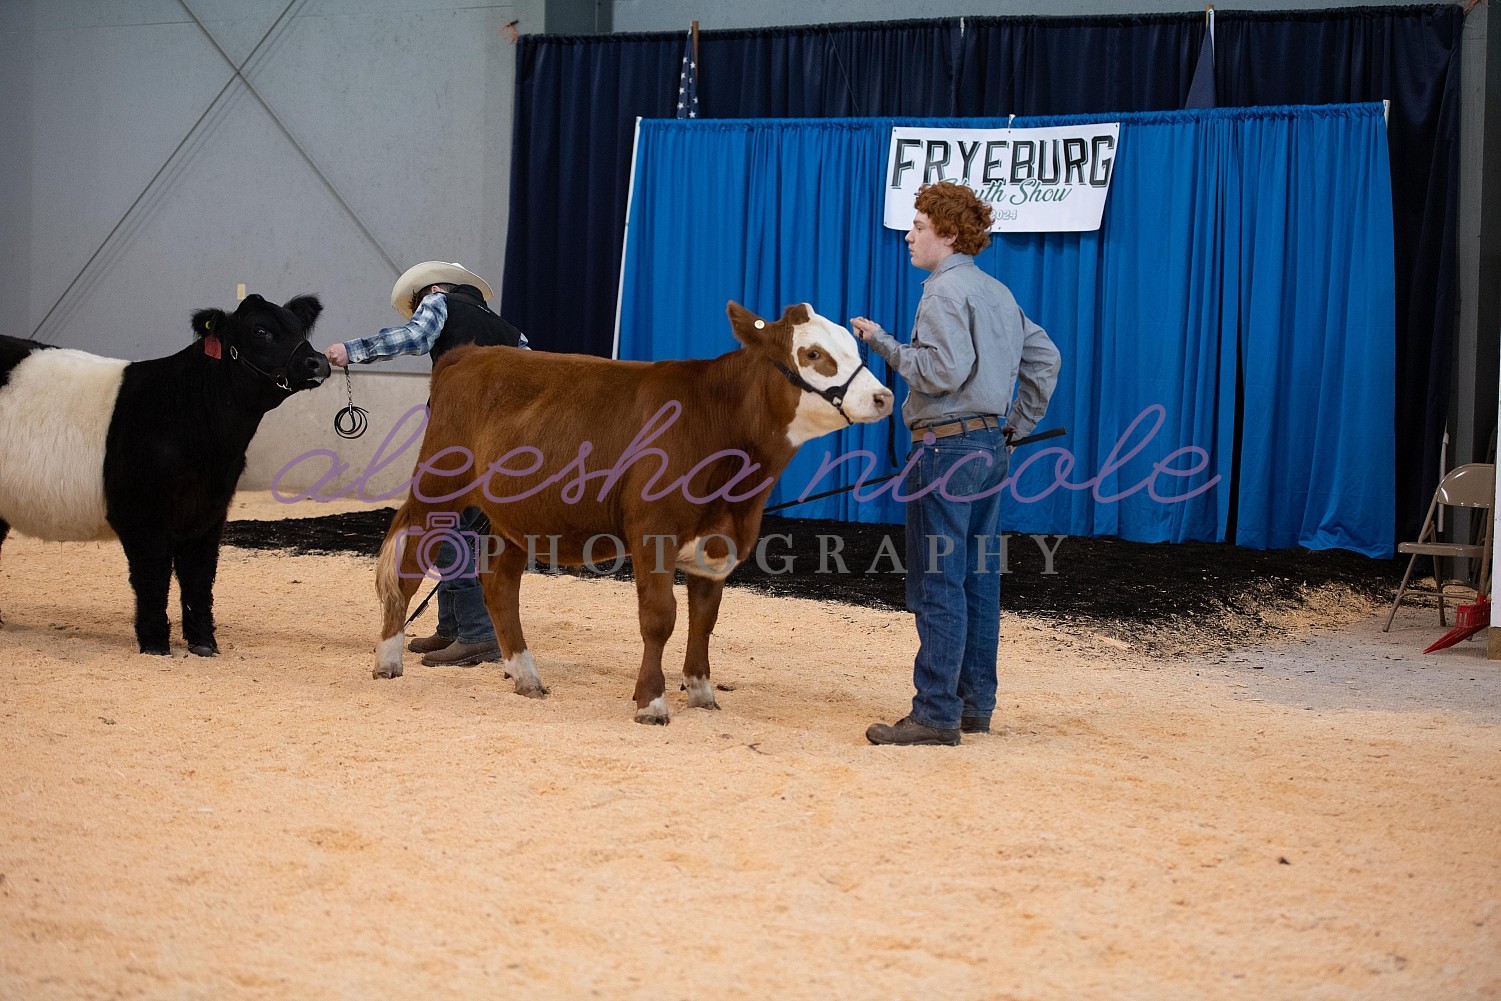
(864, 329)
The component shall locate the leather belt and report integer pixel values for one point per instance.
(955, 427)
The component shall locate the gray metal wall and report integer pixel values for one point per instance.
(141, 178)
(362, 136)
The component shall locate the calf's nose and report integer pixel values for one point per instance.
(884, 398)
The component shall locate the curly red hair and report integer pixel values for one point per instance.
(955, 210)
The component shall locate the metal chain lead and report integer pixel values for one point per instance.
(352, 421)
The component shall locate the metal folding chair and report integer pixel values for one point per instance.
(1473, 487)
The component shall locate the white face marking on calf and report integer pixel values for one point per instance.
(826, 355)
(55, 411)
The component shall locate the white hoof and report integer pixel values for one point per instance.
(700, 693)
(523, 672)
(388, 658)
(654, 712)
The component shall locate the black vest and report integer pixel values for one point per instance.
(471, 322)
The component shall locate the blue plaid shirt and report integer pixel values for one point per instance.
(415, 337)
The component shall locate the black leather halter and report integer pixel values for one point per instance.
(281, 376)
(834, 394)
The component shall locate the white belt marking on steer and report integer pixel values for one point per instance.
(55, 410)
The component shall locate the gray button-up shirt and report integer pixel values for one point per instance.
(971, 343)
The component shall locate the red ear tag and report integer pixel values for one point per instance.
(211, 346)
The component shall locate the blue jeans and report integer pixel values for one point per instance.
(954, 575)
(461, 602)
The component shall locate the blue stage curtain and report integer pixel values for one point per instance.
(1077, 65)
(1316, 332)
(577, 100)
(1149, 312)
(831, 70)
(1409, 56)
(1148, 362)
(762, 212)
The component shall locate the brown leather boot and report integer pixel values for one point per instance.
(905, 732)
(427, 644)
(458, 654)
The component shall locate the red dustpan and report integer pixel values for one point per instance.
(1468, 620)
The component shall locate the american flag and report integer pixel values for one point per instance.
(688, 82)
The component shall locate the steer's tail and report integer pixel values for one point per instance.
(397, 575)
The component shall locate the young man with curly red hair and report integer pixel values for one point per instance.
(971, 343)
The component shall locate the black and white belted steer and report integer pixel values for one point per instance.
(149, 451)
(587, 461)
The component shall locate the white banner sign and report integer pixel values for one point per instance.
(1036, 180)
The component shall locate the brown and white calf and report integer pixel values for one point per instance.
(581, 460)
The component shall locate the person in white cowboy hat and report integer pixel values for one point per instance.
(444, 306)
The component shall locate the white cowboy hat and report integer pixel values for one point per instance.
(433, 273)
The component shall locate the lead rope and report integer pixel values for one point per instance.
(352, 421)
(413, 617)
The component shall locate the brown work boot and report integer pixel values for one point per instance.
(974, 724)
(427, 644)
(905, 731)
(458, 654)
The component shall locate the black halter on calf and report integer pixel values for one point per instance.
(834, 394)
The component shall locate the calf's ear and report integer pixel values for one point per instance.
(797, 313)
(206, 320)
(306, 308)
(748, 327)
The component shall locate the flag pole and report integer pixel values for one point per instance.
(695, 45)
(625, 240)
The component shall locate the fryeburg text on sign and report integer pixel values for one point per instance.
(1037, 180)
